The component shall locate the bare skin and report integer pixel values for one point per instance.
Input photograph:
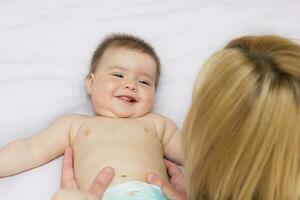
(174, 189)
(133, 147)
(124, 134)
(145, 148)
(69, 186)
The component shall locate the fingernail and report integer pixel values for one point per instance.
(107, 172)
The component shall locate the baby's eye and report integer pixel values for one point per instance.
(144, 82)
(117, 75)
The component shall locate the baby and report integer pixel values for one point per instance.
(124, 133)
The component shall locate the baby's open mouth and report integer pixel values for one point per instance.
(126, 98)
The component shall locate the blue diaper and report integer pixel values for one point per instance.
(134, 190)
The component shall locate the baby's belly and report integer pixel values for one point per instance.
(130, 161)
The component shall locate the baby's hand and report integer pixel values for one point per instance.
(176, 188)
(70, 189)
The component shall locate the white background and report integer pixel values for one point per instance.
(46, 46)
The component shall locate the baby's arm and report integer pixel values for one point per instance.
(172, 142)
(33, 151)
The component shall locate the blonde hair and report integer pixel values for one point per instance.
(242, 131)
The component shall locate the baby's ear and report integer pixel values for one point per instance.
(89, 83)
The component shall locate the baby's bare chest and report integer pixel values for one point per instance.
(119, 132)
(131, 147)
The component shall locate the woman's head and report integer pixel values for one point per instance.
(243, 129)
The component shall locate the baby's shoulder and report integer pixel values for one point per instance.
(162, 124)
(73, 118)
(158, 116)
(160, 119)
(154, 116)
(73, 121)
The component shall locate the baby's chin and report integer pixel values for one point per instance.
(119, 114)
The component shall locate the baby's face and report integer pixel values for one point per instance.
(123, 84)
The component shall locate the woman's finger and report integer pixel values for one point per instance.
(176, 175)
(168, 189)
(101, 182)
(172, 169)
(68, 180)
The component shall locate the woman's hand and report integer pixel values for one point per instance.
(70, 189)
(176, 188)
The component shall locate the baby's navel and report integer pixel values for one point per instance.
(123, 176)
(146, 129)
(87, 133)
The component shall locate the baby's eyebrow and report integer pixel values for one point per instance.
(117, 67)
(148, 76)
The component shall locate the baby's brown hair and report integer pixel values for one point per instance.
(124, 41)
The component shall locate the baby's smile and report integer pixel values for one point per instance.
(127, 98)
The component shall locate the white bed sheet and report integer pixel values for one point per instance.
(45, 48)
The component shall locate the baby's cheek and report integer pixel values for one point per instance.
(148, 103)
(150, 99)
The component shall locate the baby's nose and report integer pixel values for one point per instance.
(131, 86)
